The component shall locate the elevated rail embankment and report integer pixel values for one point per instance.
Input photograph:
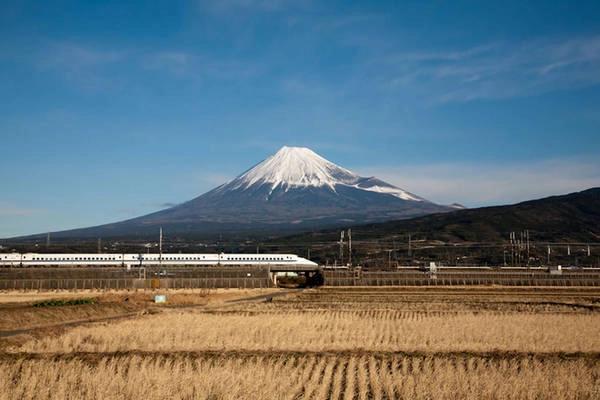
(81, 278)
(451, 278)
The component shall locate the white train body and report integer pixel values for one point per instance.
(140, 259)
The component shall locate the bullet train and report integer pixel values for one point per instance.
(140, 259)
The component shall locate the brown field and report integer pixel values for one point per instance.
(328, 343)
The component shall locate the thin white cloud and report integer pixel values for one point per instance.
(211, 180)
(223, 6)
(158, 205)
(186, 64)
(82, 65)
(7, 209)
(90, 67)
(174, 62)
(496, 70)
(482, 184)
(73, 55)
(442, 55)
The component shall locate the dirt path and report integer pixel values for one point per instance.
(141, 310)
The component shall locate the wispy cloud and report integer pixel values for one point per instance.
(89, 67)
(159, 205)
(7, 209)
(497, 70)
(222, 6)
(185, 64)
(174, 62)
(211, 180)
(483, 184)
(80, 64)
(74, 56)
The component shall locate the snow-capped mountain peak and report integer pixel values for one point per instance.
(298, 167)
(295, 167)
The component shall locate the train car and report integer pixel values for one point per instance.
(149, 259)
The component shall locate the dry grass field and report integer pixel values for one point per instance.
(329, 343)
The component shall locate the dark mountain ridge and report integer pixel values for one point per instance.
(573, 217)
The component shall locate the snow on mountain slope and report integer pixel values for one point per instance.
(293, 167)
(375, 185)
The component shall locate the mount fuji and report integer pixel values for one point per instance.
(293, 190)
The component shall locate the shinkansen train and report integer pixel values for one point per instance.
(140, 259)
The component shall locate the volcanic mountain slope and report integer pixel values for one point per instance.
(293, 190)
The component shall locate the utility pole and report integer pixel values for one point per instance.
(342, 248)
(99, 245)
(160, 247)
(512, 249)
(350, 247)
(527, 234)
(521, 248)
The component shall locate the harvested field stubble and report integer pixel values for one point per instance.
(329, 343)
(321, 331)
(290, 376)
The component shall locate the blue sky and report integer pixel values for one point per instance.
(111, 110)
